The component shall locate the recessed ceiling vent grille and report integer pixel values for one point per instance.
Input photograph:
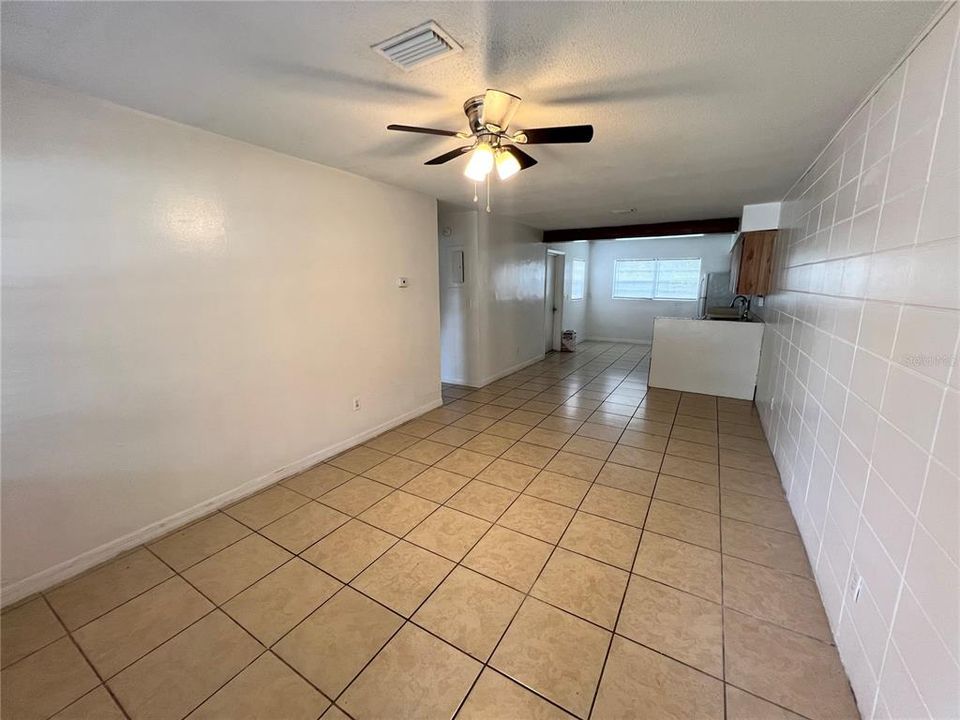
(418, 46)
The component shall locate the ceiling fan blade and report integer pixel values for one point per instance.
(524, 159)
(425, 131)
(448, 156)
(565, 134)
(499, 107)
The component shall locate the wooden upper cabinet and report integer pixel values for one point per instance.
(752, 262)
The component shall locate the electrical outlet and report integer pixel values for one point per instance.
(356, 403)
(856, 585)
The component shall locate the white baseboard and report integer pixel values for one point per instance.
(635, 341)
(91, 558)
(493, 378)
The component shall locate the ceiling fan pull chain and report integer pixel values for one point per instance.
(488, 193)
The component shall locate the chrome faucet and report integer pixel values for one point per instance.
(744, 305)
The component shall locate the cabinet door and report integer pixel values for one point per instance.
(756, 262)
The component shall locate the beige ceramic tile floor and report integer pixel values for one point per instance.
(563, 542)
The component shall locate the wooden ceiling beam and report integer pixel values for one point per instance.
(619, 232)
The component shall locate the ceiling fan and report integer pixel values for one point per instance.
(489, 116)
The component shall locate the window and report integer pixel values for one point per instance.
(634, 278)
(578, 279)
(678, 279)
(673, 279)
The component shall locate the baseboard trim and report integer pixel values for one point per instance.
(635, 341)
(67, 569)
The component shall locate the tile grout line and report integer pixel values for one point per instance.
(527, 595)
(406, 620)
(102, 683)
(220, 606)
(216, 606)
(485, 664)
(943, 400)
(606, 658)
(599, 409)
(723, 603)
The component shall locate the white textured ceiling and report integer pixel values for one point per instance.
(699, 107)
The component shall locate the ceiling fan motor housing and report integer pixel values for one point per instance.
(473, 109)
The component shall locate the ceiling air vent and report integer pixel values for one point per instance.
(418, 46)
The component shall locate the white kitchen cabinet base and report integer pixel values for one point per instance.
(712, 357)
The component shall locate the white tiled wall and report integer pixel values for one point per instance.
(859, 382)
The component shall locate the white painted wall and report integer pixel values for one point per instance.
(859, 387)
(511, 289)
(459, 306)
(494, 324)
(626, 320)
(574, 311)
(184, 317)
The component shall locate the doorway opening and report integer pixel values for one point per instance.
(553, 300)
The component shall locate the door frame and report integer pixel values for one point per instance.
(555, 295)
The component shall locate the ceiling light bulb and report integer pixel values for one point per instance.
(481, 162)
(507, 164)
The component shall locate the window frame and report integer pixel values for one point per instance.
(583, 285)
(656, 276)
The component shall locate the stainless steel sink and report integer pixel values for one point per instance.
(725, 313)
(718, 311)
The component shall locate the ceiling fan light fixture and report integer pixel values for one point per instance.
(498, 110)
(507, 164)
(481, 162)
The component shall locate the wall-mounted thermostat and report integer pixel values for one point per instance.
(402, 282)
